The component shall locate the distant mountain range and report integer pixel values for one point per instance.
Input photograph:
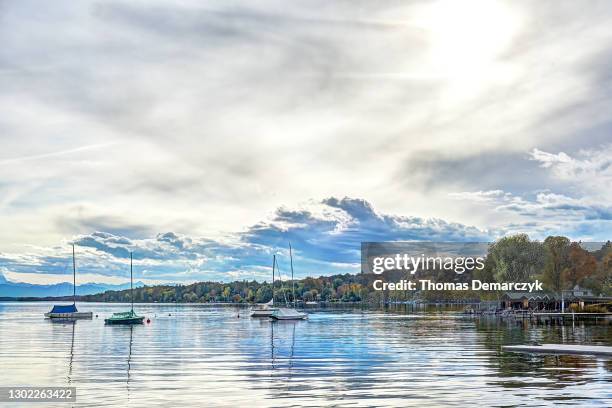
(18, 289)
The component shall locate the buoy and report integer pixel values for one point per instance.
(148, 320)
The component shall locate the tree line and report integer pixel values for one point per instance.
(557, 262)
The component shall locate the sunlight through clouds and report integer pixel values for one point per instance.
(241, 124)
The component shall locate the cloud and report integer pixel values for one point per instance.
(52, 154)
(481, 196)
(589, 169)
(546, 213)
(198, 118)
(326, 237)
(84, 221)
(335, 233)
(545, 205)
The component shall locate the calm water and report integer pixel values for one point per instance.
(206, 356)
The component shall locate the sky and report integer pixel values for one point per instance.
(205, 136)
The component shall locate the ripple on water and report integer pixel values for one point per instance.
(205, 356)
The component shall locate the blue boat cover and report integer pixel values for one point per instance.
(64, 309)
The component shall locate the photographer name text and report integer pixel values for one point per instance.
(428, 285)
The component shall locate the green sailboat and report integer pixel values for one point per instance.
(127, 317)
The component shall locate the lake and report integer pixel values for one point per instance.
(202, 355)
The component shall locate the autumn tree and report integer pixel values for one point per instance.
(581, 265)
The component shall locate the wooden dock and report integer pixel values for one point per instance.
(562, 349)
(571, 315)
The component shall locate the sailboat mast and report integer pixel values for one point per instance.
(131, 284)
(273, 264)
(280, 278)
(73, 277)
(292, 280)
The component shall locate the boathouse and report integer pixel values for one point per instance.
(578, 296)
(526, 300)
(582, 297)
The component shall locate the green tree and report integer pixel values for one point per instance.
(263, 294)
(557, 249)
(514, 259)
(327, 293)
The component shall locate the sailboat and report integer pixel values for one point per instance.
(127, 317)
(267, 309)
(69, 311)
(286, 313)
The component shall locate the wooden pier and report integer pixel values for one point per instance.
(562, 349)
(542, 317)
(570, 316)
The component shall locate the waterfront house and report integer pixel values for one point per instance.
(578, 296)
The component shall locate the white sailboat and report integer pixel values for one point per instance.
(286, 313)
(266, 309)
(69, 311)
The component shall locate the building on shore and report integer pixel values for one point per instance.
(578, 296)
(526, 301)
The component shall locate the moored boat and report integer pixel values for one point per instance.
(267, 309)
(69, 311)
(126, 317)
(285, 313)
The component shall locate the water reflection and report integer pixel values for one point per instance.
(207, 356)
(72, 324)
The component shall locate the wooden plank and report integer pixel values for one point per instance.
(562, 349)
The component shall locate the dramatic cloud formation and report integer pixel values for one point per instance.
(133, 119)
(326, 237)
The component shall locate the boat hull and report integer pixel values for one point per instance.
(70, 315)
(288, 314)
(262, 312)
(124, 318)
(302, 317)
(127, 320)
